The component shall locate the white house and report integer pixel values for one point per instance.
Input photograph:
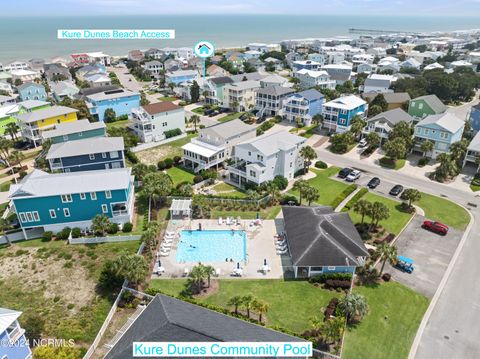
(378, 83)
(215, 144)
(309, 79)
(153, 122)
(25, 75)
(240, 96)
(262, 158)
(269, 100)
(154, 67)
(411, 63)
(433, 66)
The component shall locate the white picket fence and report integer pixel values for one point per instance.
(110, 239)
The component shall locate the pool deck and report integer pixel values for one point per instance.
(260, 246)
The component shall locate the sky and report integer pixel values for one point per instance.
(287, 7)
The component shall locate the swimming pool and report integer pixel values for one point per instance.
(211, 246)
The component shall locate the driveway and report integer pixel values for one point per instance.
(431, 254)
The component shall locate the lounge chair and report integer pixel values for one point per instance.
(186, 271)
(280, 243)
(170, 233)
(220, 220)
(229, 221)
(169, 236)
(164, 253)
(218, 271)
(166, 246)
(168, 240)
(282, 252)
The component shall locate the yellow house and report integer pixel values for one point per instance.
(32, 124)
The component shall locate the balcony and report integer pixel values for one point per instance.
(140, 116)
(15, 334)
(56, 165)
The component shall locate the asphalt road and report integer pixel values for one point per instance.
(452, 330)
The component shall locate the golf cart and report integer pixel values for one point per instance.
(405, 264)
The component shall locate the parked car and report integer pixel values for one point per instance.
(396, 190)
(363, 143)
(344, 172)
(353, 176)
(405, 264)
(435, 227)
(373, 183)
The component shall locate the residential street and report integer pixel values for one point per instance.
(452, 330)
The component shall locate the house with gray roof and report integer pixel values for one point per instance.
(423, 106)
(269, 100)
(167, 319)
(56, 72)
(443, 130)
(215, 144)
(393, 99)
(63, 89)
(473, 153)
(53, 201)
(322, 241)
(303, 106)
(77, 130)
(90, 154)
(260, 159)
(240, 96)
(7, 100)
(383, 123)
(214, 89)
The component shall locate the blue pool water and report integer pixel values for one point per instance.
(211, 246)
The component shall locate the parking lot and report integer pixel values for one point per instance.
(430, 253)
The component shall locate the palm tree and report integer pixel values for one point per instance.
(197, 276)
(311, 194)
(332, 329)
(194, 119)
(308, 154)
(209, 272)
(301, 185)
(353, 305)
(16, 157)
(235, 301)
(5, 145)
(247, 301)
(157, 185)
(260, 307)
(12, 130)
(386, 253)
(448, 167)
(273, 192)
(458, 150)
(412, 195)
(100, 224)
(379, 211)
(373, 139)
(363, 208)
(357, 125)
(427, 146)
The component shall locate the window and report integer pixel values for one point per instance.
(116, 165)
(104, 208)
(107, 166)
(291, 164)
(65, 138)
(104, 155)
(249, 153)
(80, 134)
(66, 212)
(420, 106)
(29, 217)
(93, 196)
(444, 135)
(23, 218)
(252, 174)
(114, 154)
(36, 216)
(66, 198)
(91, 156)
(83, 196)
(108, 194)
(53, 214)
(331, 268)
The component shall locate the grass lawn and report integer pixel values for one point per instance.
(226, 190)
(230, 117)
(282, 297)
(329, 189)
(388, 329)
(5, 186)
(167, 98)
(122, 123)
(474, 188)
(269, 213)
(397, 220)
(59, 282)
(171, 149)
(386, 162)
(443, 210)
(179, 175)
(199, 110)
(141, 207)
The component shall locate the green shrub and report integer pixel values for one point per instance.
(161, 165)
(423, 161)
(113, 228)
(76, 232)
(177, 159)
(172, 133)
(321, 165)
(168, 162)
(281, 182)
(287, 199)
(47, 236)
(260, 131)
(197, 179)
(132, 157)
(322, 278)
(63, 234)
(346, 192)
(209, 174)
(127, 227)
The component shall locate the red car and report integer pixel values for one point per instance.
(436, 227)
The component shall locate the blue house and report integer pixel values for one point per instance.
(77, 130)
(303, 105)
(306, 64)
(89, 154)
(443, 130)
(177, 77)
(32, 91)
(474, 118)
(320, 240)
(339, 113)
(120, 100)
(55, 201)
(13, 345)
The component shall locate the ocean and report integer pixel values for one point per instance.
(29, 37)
